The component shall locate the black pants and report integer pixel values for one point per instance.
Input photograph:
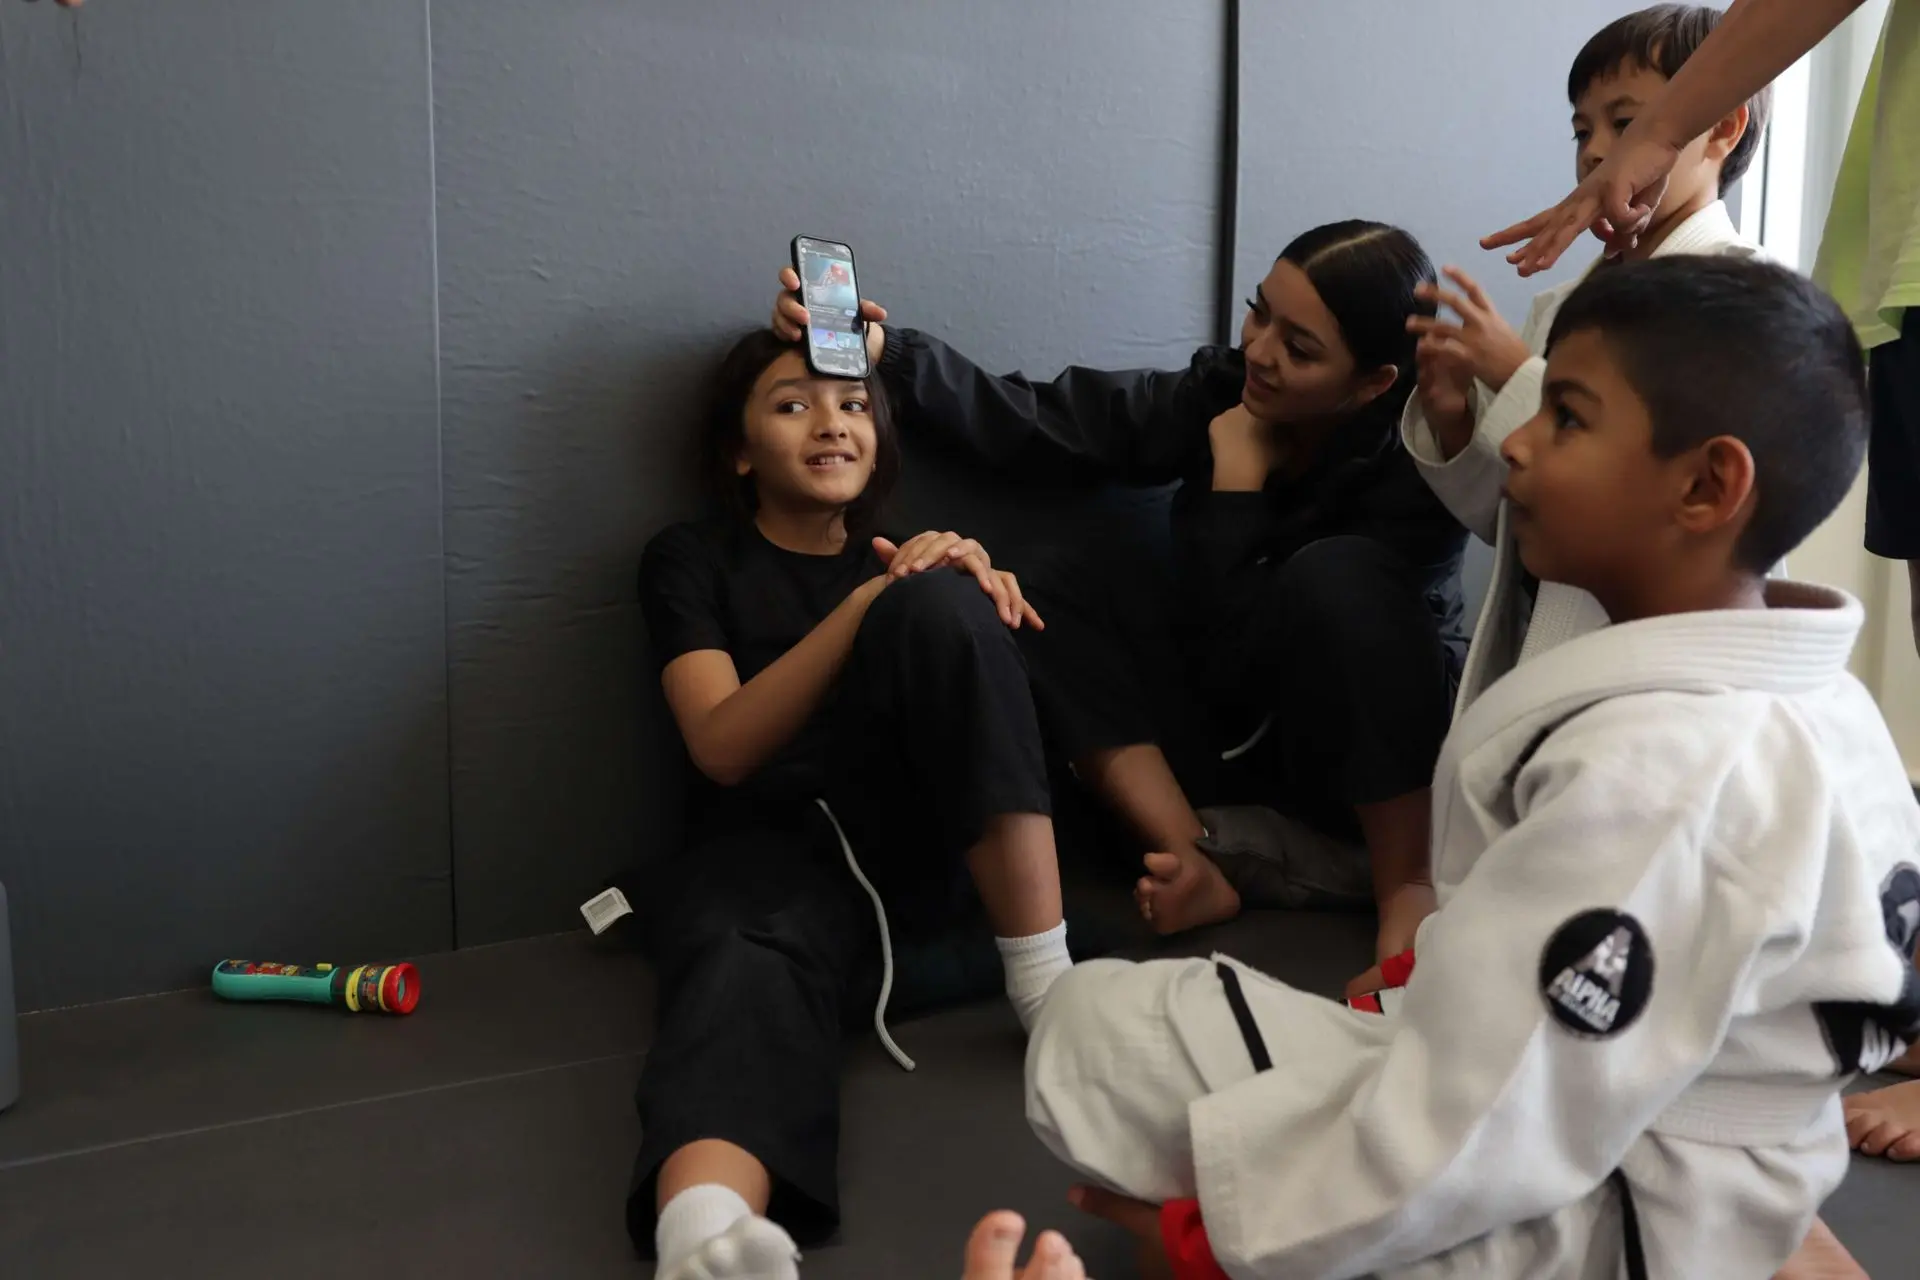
(767, 948)
(1338, 644)
(1893, 459)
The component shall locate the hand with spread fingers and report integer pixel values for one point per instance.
(1616, 202)
(1479, 337)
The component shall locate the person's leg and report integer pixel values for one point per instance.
(1913, 590)
(756, 936)
(1122, 1052)
(1183, 888)
(942, 743)
(1893, 456)
(1349, 655)
(1110, 1077)
(1109, 680)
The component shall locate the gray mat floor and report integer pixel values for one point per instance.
(490, 1134)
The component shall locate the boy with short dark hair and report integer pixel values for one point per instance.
(1677, 858)
(1479, 380)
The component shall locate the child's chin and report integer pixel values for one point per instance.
(835, 490)
(1533, 559)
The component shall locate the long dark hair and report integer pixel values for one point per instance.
(723, 433)
(1366, 273)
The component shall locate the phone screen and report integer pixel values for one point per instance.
(836, 337)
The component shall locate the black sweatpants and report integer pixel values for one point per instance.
(1893, 457)
(767, 948)
(1338, 644)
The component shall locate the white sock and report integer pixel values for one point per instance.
(692, 1218)
(1032, 963)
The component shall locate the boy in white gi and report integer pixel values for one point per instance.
(1677, 859)
(1478, 380)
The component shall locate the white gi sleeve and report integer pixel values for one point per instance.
(1581, 976)
(1470, 482)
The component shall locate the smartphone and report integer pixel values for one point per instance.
(836, 335)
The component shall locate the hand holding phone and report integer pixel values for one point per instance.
(829, 313)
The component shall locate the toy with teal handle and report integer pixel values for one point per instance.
(367, 988)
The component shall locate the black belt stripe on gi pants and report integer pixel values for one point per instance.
(1263, 1061)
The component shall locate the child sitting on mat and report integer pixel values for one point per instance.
(1675, 857)
(865, 745)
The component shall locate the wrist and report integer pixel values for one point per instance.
(1238, 473)
(1501, 374)
(1453, 432)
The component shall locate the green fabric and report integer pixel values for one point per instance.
(1870, 254)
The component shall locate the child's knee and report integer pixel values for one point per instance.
(1108, 1085)
(939, 602)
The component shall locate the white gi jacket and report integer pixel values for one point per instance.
(1676, 862)
(1470, 483)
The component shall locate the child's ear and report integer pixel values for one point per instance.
(1719, 490)
(741, 467)
(1726, 133)
(1375, 385)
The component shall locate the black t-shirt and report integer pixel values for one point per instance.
(719, 584)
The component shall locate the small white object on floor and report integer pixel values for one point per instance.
(604, 908)
(1032, 963)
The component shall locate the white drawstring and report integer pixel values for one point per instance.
(1234, 753)
(886, 941)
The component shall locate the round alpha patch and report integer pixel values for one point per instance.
(1596, 973)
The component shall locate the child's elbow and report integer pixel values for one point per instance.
(719, 766)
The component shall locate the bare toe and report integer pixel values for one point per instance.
(994, 1246)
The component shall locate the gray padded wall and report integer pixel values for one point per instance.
(227, 366)
(222, 658)
(1038, 183)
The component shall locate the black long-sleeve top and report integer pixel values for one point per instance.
(1148, 427)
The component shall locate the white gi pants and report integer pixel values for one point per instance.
(1121, 1050)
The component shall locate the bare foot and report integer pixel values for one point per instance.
(1400, 917)
(1184, 890)
(993, 1250)
(1821, 1257)
(1885, 1122)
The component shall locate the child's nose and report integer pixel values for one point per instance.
(1516, 449)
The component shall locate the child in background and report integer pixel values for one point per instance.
(864, 735)
(1478, 380)
(1676, 860)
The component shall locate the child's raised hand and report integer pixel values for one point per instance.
(1481, 337)
(790, 315)
(1445, 388)
(933, 550)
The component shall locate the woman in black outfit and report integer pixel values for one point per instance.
(1316, 577)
